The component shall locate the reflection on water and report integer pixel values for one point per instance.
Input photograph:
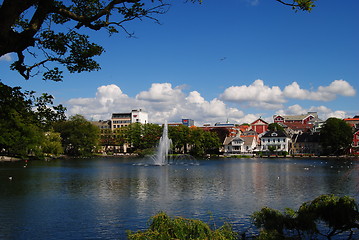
(103, 197)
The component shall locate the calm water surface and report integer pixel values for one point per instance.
(101, 198)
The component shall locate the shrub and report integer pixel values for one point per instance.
(163, 227)
(326, 216)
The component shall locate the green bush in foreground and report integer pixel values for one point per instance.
(326, 216)
(163, 227)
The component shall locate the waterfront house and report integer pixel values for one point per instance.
(306, 143)
(233, 145)
(276, 141)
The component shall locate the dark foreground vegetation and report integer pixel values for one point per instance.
(325, 217)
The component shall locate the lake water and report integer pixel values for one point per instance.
(101, 198)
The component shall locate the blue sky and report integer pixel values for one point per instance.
(230, 59)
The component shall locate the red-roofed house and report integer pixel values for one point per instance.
(259, 125)
(354, 122)
(303, 119)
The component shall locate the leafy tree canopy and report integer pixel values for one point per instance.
(55, 28)
(79, 136)
(23, 119)
(275, 127)
(335, 136)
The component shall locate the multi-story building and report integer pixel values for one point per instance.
(306, 143)
(233, 145)
(310, 117)
(277, 141)
(109, 129)
(119, 120)
(259, 125)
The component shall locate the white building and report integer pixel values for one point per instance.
(233, 145)
(139, 116)
(278, 141)
(119, 120)
(240, 145)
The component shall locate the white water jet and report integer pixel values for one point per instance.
(161, 158)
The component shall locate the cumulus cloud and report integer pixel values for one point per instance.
(166, 102)
(325, 112)
(161, 92)
(262, 96)
(161, 101)
(7, 57)
(106, 101)
(324, 93)
(255, 95)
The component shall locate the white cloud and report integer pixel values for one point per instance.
(255, 95)
(324, 93)
(161, 92)
(7, 57)
(253, 2)
(164, 102)
(340, 87)
(108, 99)
(262, 96)
(161, 101)
(323, 111)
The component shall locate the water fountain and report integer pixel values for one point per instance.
(161, 157)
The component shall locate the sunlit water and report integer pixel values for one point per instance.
(101, 198)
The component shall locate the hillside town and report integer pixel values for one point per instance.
(297, 135)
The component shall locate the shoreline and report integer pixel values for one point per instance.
(9, 159)
(344, 157)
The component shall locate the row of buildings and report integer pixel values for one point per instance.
(301, 135)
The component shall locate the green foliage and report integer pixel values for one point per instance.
(272, 148)
(79, 136)
(52, 144)
(198, 141)
(335, 136)
(46, 115)
(151, 133)
(163, 227)
(142, 136)
(23, 120)
(326, 215)
(275, 127)
(19, 135)
(303, 5)
(202, 142)
(179, 136)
